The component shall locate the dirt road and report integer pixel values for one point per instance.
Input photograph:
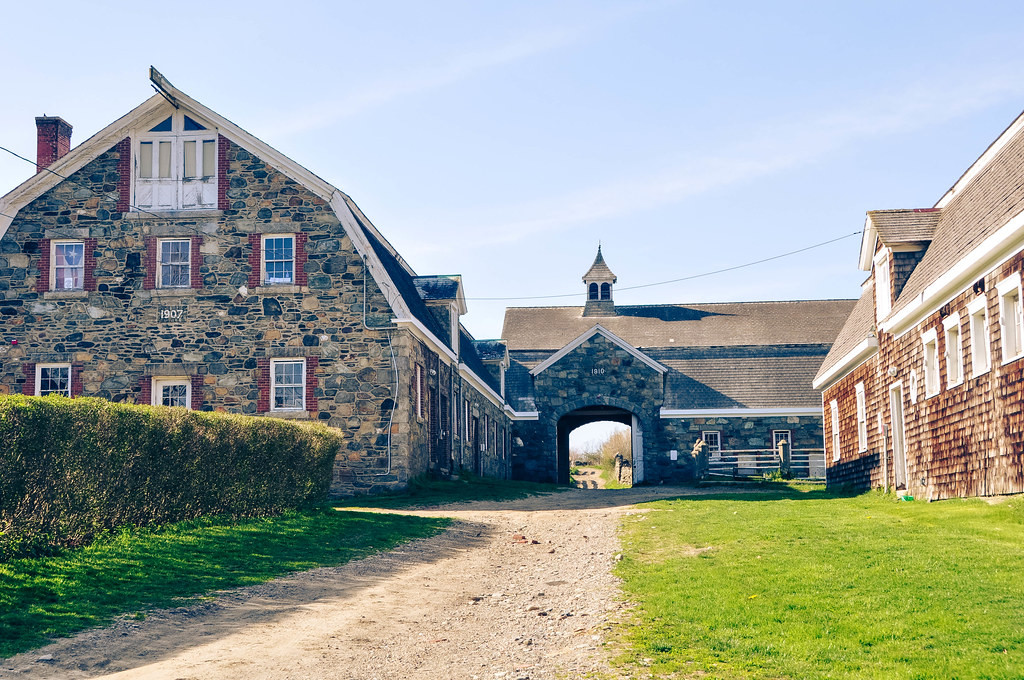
(520, 589)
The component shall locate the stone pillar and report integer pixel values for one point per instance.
(785, 459)
(700, 455)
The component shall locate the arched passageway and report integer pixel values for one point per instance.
(584, 416)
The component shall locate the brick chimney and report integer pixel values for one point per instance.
(53, 140)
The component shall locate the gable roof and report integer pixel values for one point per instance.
(855, 342)
(597, 329)
(980, 223)
(695, 325)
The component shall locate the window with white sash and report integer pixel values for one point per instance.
(176, 165)
(981, 355)
(172, 392)
(288, 384)
(68, 265)
(174, 260)
(53, 379)
(954, 351)
(1010, 318)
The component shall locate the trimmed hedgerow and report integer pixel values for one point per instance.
(74, 468)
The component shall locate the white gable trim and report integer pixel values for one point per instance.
(597, 329)
(739, 412)
(483, 388)
(521, 415)
(421, 332)
(865, 349)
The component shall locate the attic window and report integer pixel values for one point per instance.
(176, 165)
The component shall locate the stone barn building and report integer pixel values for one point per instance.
(175, 259)
(735, 375)
(924, 387)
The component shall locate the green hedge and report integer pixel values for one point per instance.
(73, 468)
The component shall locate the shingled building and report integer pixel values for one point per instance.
(736, 375)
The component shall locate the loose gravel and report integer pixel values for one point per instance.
(511, 591)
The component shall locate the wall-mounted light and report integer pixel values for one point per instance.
(891, 372)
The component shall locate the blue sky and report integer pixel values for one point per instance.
(502, 141)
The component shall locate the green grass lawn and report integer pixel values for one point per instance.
(805, 584)
(428, 492)
(130, 572)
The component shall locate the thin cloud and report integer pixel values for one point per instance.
(771, 148)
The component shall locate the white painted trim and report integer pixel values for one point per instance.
(979, 262)
(979, 345)
(273, 384)
(991, 152)
(158, 381)
(932, 386)
(597, 329)
(739, 412)
(862, 417)
(521, 415)
(867, 244)
(420, 331)
(949, 323)
(467, 374)
(836, 434)
(854, 358)
(881, 264)
(1010, 286)
(39, 377)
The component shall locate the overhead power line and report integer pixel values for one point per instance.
(684, 278)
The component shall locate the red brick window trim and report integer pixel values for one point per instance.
(197, 392)
(44, 266)
(89, 276)
(149, 281)
(263, 381)
(255, 260)
(124, 175)
(223, 146)
(311, 383)
(301, 279)
(197, 259)
(146, 390)
(28, 388)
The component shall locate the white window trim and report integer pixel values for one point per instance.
(263, 259)
(39, 378)
(53, 265)
(177, 136)
(980, 346)
(932, 383)
(834, 407)
(954, 354)
(156, 397)
(883, 298)
(1004, 288)
(159, 262)
(862, 419)
(273, 384)
(717, 435)
(788, 438)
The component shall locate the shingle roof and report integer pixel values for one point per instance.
(903, 226)
(437, 287)
(697, 325)
(987, 202)
(599, 270)
(490, 350)
(860, 325)
(406, 288)
(469, 356)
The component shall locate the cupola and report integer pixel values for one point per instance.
(598, 281)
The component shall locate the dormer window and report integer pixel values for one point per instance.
(176, 165)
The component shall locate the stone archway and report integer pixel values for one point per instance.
(591, 413)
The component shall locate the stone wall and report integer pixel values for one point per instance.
(120, 333)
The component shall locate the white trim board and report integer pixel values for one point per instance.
(521, 415)
(421, 332)
(739, 412)
(597, 329)
(865, 349)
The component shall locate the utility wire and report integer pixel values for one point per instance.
(684, 278)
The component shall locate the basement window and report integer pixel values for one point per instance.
(981, 358)
(931, 362)
(53, 379)
(713, 440)
(1010, 321)
(172, 392)
(954, 351)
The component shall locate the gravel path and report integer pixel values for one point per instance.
(520, 589)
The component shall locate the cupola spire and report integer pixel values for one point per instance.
(598, 281)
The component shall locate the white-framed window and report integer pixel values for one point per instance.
(483, 439)
(67, 265)
(781, 436)
(174, 263)
(930, 340)
(883, 285)
(172, 392)
(834, 407)
(53, 379)
(862, 419)
(1010, 321)
(713, 439)
(288, 384)
(981, 355)
(465, 421)
(278, 259)
(954, 350)
(176, 165)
